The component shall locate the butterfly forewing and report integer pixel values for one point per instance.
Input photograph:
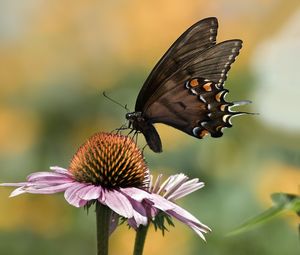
(214, 63)
(200, 36)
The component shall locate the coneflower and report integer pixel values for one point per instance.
(100, 172)
(110, 171)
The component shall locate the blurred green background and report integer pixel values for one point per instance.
(56, 58)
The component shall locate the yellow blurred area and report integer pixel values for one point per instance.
(18, 130)
(173, 139)
(44, 215)
(276, 177)
(98, 39)
(123, 240)
(158, 244)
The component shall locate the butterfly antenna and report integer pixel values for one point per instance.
(116, 102)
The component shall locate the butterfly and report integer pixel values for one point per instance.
(185, 89)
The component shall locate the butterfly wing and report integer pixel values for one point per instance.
(200, 36)
(191, 97)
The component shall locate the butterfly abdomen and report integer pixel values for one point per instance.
(152, 137)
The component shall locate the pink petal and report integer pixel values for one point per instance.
(114, 221)
(140, 211)
(186, 189)
(140, 214)
(17, 192)
(185, 215)
(90, 192)
(150, 209)
(136, 194)
(47, 176)
(136, 221)
(61, 170)
(36, 189)
(156, 184)
(189, 219)
(82, 203)
(132, 223)
(172, 181)
(175, 182)
(118, 203)
(163, 185)
(150, 185)
(50, 182)
(71, 195)
(139, 218)
(199, 228)
(191, 183)
(180, 214)
(161, 203)
(16, 184)
(198, 232)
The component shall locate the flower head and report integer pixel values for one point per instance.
(111, 170)
(111, 161)
(102, 168)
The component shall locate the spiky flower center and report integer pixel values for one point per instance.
(110, 160)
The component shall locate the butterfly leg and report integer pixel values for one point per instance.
(145, 146)
(136, 135)
(131, 130)
(118, 130)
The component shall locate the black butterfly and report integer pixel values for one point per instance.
(186, 87)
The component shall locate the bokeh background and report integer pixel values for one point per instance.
(57, 57)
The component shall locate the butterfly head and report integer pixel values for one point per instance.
(134, 118)
(131, 116)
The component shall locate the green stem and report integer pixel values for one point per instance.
(140, 240)
(103, 214)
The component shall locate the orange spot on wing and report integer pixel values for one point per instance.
(203, 133)
(207, 86)
(223, 107)
(218, 96)
(194, 83)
